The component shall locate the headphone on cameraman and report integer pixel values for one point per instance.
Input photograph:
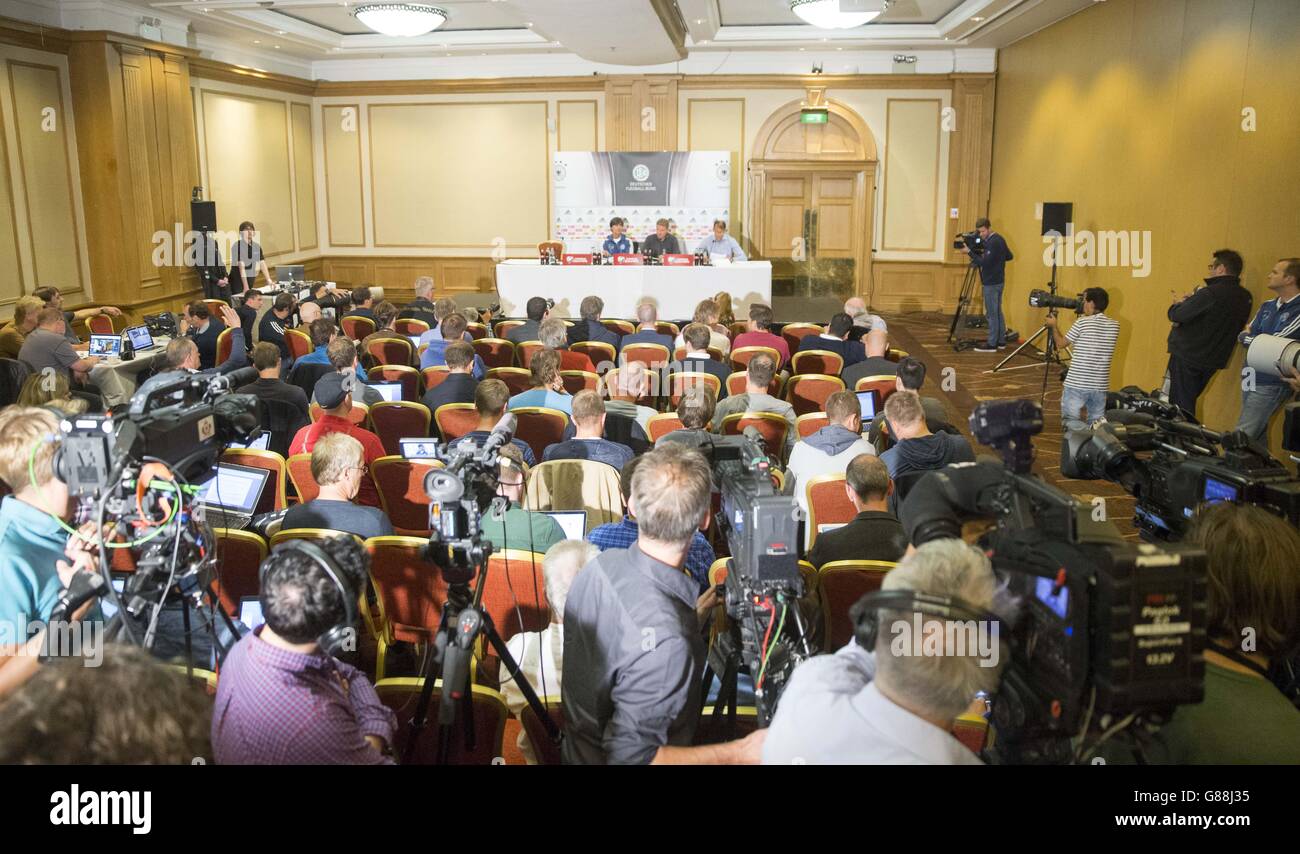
(865, 616)
(335, 638)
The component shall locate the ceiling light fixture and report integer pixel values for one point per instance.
(827, 15)
(402, 20)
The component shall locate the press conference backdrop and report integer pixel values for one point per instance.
(693, 188)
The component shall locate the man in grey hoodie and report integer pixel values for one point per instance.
(829, 450)
(916, 448)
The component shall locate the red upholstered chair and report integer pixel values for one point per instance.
(273, 496)
(811, 423)
(653, 356)
(410, 326)
(518, 380)
(356, 327)
(828, 503)
(398, 373)
(401, 419)
(618, 327)
(817, 362)
(304, 482)
(299, 343)
(597, 351)
(488, 707)
(662, 424)
(411, 589)
(576, 381)
(515, 595)
(664, 327)
(505, 326)
(477, 330)
(770, 424)
(808, 392)
(390, 351)
(736, 383)
(525, 350)
(539, 427)
(794, 333)
(102, 324)
(741, 355)
(455, 420)
(882, 384)
(360, 412)
(433, 376)
(495, 352)
(401, 492)
(225, 343)
(682, 381)
(239, 558)
(841, 583)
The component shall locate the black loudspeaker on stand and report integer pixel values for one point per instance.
(203, 216)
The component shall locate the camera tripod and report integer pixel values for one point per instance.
(1050, 353)
(961, 319)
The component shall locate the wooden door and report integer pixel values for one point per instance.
(811, 234)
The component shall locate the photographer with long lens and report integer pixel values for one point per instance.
(1205, 328)
(990, 254)
(888, 696)
(1093, 337)
(1264, 394)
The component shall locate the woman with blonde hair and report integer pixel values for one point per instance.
(50, 388)
(726, 315)
(706, 314)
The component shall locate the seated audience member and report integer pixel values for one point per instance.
(518, 528)
(875, 533)
(874, 365)
(385, 316)
(491, 397)
(863, 321)
(910, 377)
(876, 707)
(697, 356)
(444, 308)
(647, 315)
(26, 310)
(1252, 625)
(548, 385)
(588, 442)
(53, 299)
(452, 329)
(282, 699)
(274, 322)
(706, 313)
(916, 448)
(422, 307)
(269, 386)
(363, 304)
(835, 340)
(695, 411)
(342, 355)
(334, 395)
(829, 450)
(538, 310)
(553, 335)
(726, 315)
(203, 329)
(338, 465)
(309, 313)
(51, 391)
(540, 654)
(627, 702)
(459, 385)
(46, 346)
(632, 384)
(623, 535)
(322, 332)
(759, 334)
(248, 311)
(589, 327)
(126, 709)
(756, 399)
(183, 354)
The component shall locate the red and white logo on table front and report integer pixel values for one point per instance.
(626, 258)
(678, 261)
(572, 258)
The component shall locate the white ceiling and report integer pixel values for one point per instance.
(321, 39)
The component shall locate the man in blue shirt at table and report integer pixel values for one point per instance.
(617, 242)
(721, 243)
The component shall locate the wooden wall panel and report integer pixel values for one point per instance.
(910, 209)
(396, 275)
(11, 286)
(343, 197)
(304, 176)
(628, 127)
(576, 126)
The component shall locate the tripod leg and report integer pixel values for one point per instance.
(1016, 352)
(512, 667)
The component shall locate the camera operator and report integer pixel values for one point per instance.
(1252, 622)
(1205, 327)
(634, 653)
(1279, 317)
(282, 699)
(1093, 338)
(992, 264)
(890, 705)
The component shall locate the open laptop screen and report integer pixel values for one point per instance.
(140, 337)
(418, 449)
(105, 345)
(235, 488)
(391, 392)
(867, 403)
(572, 522)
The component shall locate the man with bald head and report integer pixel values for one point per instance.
(863, 320)
(647, 315)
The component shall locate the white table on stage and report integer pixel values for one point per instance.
(676, 290)
(117, 379)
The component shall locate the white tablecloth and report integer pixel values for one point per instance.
(117, 380)
(676, 290)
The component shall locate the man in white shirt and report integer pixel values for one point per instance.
(829, 450)
(540, 655)
(1093, 338)
(891, 705)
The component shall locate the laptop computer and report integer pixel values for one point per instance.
(867, 405)
(230, 499)
(572, 522)
(250, 612)
(261, 442)
(391, 392)
(105, 345)
(140, 338)
(290, 273)
(418, 449)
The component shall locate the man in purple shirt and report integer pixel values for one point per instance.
(282, 699)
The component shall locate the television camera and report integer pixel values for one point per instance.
(969, 240)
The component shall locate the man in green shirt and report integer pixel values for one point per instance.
(518, 528)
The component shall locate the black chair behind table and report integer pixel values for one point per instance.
(305, 376)
(283, 421)
(13, 374)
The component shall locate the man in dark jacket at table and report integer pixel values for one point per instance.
(1205, 327)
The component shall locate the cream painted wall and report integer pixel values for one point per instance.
(42, 226)
(1133, 111)
(909, 207)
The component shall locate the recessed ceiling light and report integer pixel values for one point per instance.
(699, 20)
(528, 24)
(255, 41)
(977, 19)
(279, 32)
(704, 41)
(277, 47)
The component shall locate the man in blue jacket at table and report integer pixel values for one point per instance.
(617, 242)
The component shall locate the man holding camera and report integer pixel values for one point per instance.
(1205, 327)
(1092, 338)
(992, 264)
(1265, 394)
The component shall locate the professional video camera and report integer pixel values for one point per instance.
(1039, 298)
(969, 240)
(1183, 465)
(763, 584)
(1109, 635)
(161, 324)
